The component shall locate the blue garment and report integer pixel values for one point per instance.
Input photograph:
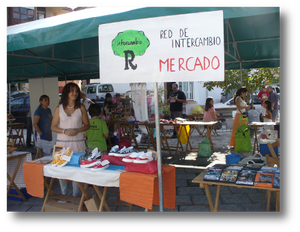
(45, 122)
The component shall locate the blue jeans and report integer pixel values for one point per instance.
(64, 188)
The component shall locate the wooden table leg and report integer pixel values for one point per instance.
(84, 195)
(217, 198)
(255, 144)
(48, 194)
(102, 198)
(277, 201)
(12, 179)
(268, 200)
(210, 202)
(208, 134)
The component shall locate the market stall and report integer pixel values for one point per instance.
(38, 49)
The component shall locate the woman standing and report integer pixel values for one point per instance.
(241, 107)
(42, 124)
(70, 120)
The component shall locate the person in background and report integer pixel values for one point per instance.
(273, 97)
(69, 121)
(262, 95)
(268, 111)
(86, 101)
(176, 100)
(98, 131)
(119, 100)
(29, 129)
(253, 116)
(241, 107)
(42, 124)
(108, 102)
(210, 113)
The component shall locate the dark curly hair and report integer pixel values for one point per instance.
(65, 93)
(238, 93)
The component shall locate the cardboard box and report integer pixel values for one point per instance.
(71, 205)
(93, 204)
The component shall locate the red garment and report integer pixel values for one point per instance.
(261, 94)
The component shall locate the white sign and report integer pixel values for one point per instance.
(187, 47)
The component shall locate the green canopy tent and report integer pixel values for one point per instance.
(66, 46)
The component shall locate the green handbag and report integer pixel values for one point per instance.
(242, 137)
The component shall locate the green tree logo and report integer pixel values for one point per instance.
(128, 44)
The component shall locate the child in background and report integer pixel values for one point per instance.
(210, 114)
(98, 131)
(268, 113)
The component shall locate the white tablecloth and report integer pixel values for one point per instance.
(108, 177)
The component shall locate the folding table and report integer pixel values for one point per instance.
(13, 156)
(205, 184)
(84, 177)
(196, 118)
(164, 138)
(189, 134)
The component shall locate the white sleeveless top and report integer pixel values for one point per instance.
(242, 104)
(76, 143)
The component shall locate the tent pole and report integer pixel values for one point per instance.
(241, 72)
(9, 93)
(158, 145)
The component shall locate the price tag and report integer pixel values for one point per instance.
(66, 158)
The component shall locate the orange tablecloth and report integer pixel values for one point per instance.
(142, 189)
(34, 178)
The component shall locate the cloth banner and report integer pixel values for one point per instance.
(138, 95)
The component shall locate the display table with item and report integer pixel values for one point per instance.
(106, 178)
(113, 176)
(255, 125)
(191, 124)
(205, 184)
(15, 161)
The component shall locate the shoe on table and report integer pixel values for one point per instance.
(88, 163)
(144, 158)
(100, 166)
(114, 150)
(130, 158)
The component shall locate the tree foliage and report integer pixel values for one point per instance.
(252, 79)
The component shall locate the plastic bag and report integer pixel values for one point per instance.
(184, 134)
(197, 110)
(204, 148)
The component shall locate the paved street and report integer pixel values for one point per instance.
(189, 196)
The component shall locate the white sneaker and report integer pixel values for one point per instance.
(100, 166)
(144, 158)
(130, 158)
(114, 150)
(124, 152)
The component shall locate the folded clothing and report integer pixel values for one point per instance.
(147, 168)
(113, 160)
